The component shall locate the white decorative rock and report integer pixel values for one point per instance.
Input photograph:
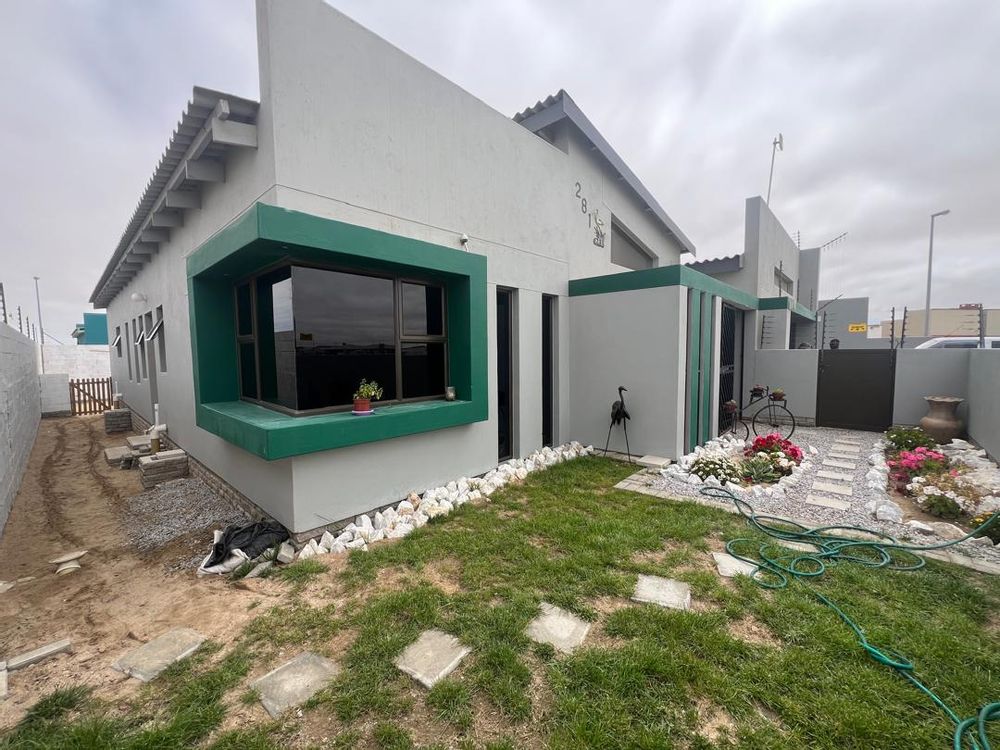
(377, 535)
(344, 537)
(307, 552)
(405, 508)
(889, 511)
(327, 541)
(400, 531)
(947, 530)
(920, 527)
(358, 543)
(286, 553)
(419, 519)
(364, 522)
(379, 521)
(338, 548)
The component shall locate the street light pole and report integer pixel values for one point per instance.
(930, 262)
(779, 144)
(41, 328)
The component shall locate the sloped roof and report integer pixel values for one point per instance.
(561, 106)
(718, 265)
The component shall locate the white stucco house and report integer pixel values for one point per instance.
(368, 218)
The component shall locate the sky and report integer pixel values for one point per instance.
(890, 111)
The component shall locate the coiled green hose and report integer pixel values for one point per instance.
(777, 566)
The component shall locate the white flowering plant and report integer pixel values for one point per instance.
(721, 467)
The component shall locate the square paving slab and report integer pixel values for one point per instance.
(136, 442)
(663, 591)
(654, 462)
(294, 682)
(824, 474)
(836, 489)
(839, 463)
(827, 502)
(115, 454)
(730, 566)
(432, 657)
(839, 448)
(147, 661)
(562, 630)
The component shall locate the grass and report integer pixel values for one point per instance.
(647, 677)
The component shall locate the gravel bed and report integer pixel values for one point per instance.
(817, 444)
(173, 509)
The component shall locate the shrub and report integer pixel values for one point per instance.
(941, 506)
(774, 444)
(908, 438)
(993, 532)
(721, 467)
(760, 469)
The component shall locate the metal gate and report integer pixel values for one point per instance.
(855, 388)
(730, 359)
(90, 395)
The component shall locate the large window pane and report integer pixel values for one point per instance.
(423, 370)
(276, 338)
(423, 310)
(345, 331)
(248, 371)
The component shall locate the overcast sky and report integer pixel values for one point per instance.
(890, 111)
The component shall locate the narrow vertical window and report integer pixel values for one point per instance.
(128, 350)
(245, 341)
(117, 343)
(140, 342)
(156, 332)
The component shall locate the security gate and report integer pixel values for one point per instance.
(855, 388)
(730, 360)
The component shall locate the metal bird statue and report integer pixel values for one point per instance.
(619, 416)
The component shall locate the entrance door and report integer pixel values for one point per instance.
(855, 388)
(730, 359)
(505, 370)
(548, 368)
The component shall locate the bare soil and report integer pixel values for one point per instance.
(70, 499)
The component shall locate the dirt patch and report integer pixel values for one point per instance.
(714, 722)
(658, 556)
(71, 499)
(445, 574)
(606, 605)
(751, 630)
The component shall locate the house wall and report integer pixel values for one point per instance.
(20, 410)
(837, 315)
(636, 339)
(807, 289)
(77, 360)
(928, 372)
(768, 245)
(795, 370)
(54, 393)
(984, 416)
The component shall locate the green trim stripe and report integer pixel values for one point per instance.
(707, 344)
(679, 275)
(694, 355)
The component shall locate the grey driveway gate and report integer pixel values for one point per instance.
(855, 388)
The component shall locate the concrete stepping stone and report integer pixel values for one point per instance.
(665, 592)
(797, 546)
(856, 449)
(848, 441)
(562, 630)
(147, 661)
(840, 476)
(827, 502)
(654, 462)
(729, 566)
(36, 655)
(68, 557)
(432, 657)
(294, 682)
(835, 463)
(115, 454)
(836, 489)
(137, 442)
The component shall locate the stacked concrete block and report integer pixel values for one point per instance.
(162, 467)
(117, 420)
(20, 410)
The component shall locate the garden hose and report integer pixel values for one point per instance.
(777, 566)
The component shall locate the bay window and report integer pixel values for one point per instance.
(307, 335)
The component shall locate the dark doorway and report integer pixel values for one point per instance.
(548, 368)
(505, 368)
(855, 388)
(730, 359)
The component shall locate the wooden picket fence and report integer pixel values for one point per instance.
(90, 395)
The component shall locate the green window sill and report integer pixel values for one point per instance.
(273, 435)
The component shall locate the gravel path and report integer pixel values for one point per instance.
(174, 509)
(806, 496)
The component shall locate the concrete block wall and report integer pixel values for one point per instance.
(77, 361)
(54, 392)
(929, 372)
(20, 410)
(984, 399)
(795, 370)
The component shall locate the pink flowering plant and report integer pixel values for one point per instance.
(774, 444)
(920, 461)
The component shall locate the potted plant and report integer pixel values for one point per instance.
(366, 393)
(778, 394)
(757, 391)
(730, 406)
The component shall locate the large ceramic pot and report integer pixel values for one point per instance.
(941, 422)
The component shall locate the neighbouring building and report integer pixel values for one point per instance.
(367, 218)
(92, 331)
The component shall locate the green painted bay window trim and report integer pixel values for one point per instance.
(694, 358)
(707, 376)
(265, 234)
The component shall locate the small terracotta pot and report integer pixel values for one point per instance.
(362, 404)
(941, 422)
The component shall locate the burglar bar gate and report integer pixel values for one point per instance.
(90, 395)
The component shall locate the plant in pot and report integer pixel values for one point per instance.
(730, 406)
(778, 394)
(365, 394)
(757, 391)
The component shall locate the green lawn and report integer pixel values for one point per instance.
(746, 668)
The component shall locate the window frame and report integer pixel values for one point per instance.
(400, 339)
(117, 343)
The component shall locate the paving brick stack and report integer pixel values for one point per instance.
(162, 467)
(117, 420)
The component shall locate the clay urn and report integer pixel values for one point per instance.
(942, 422)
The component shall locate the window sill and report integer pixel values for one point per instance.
(273, 435)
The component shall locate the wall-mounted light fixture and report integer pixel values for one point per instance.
(137, 297)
